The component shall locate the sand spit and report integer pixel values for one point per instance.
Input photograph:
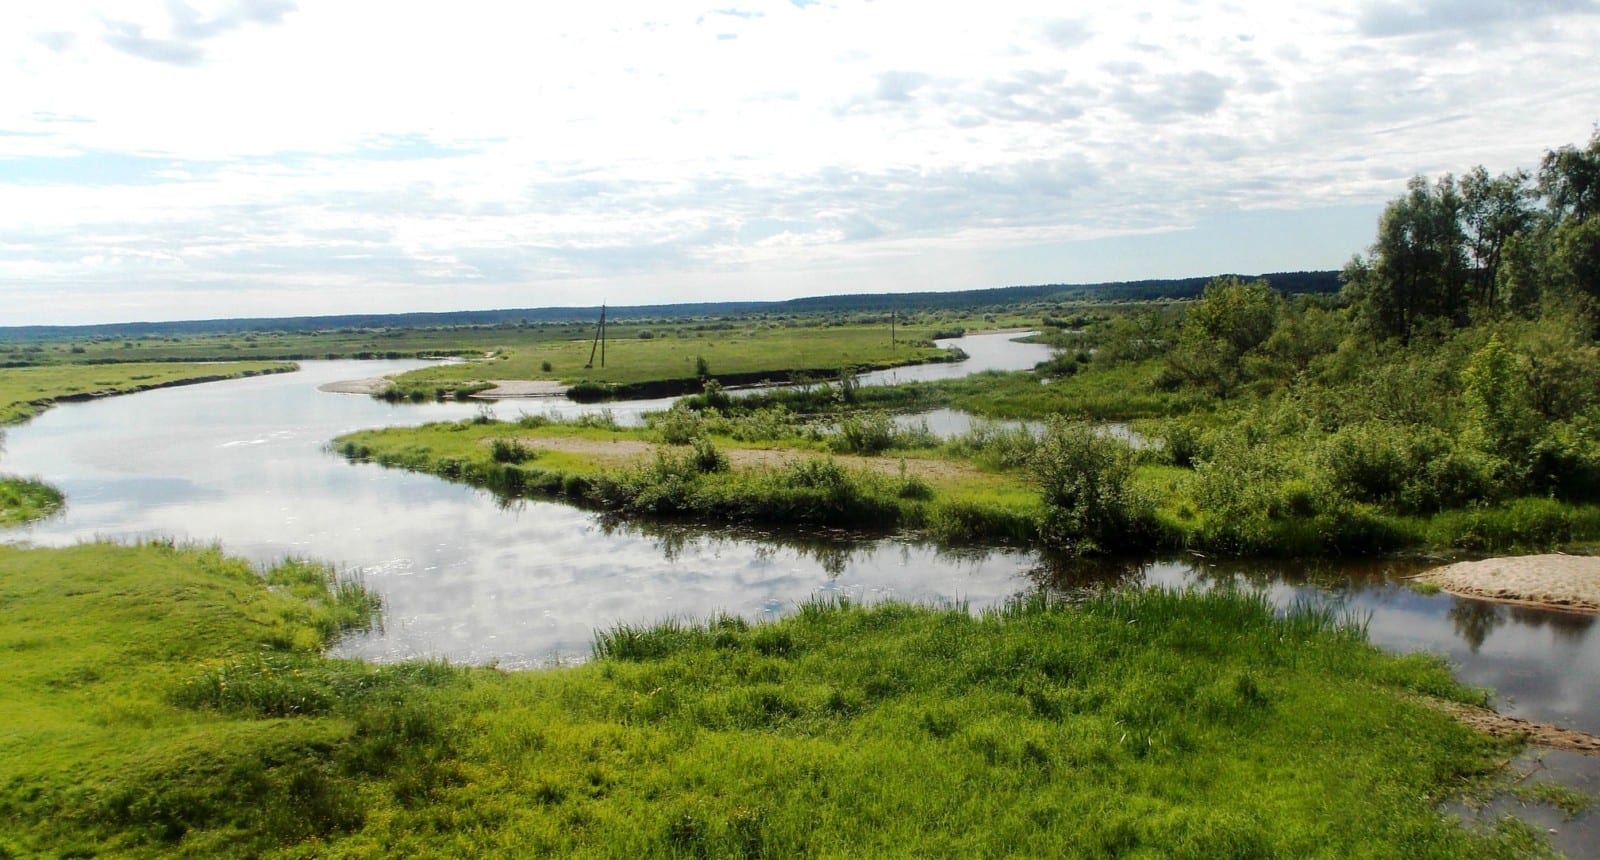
(370, 385)
(504, 388)
(1569, 582)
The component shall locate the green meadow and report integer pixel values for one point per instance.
(25, 391)
(168, 701)
(749, 351)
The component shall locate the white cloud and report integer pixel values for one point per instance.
(678, 150)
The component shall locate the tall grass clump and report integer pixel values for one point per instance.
(997, 444)
(869, 433)
(23, 500)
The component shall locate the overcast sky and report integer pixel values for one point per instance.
(213, 158)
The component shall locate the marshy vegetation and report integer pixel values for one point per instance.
(172, 701)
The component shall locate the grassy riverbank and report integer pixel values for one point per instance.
(170, 701)
(25, 391)
(1070, 487)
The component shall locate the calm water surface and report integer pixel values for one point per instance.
(470, 579)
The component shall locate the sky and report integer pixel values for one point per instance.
(188, 159)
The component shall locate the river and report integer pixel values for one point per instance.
(471, 579)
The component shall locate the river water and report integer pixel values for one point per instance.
(474, 580)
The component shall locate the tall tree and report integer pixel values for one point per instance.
(1417, 268)
(1569, 178)
(1493, 210)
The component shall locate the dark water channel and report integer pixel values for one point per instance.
(473, 580)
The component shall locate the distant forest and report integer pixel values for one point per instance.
(1285, 282)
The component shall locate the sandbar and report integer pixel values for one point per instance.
(1555, 581)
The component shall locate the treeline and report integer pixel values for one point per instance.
(1456, 247)
(982, 299)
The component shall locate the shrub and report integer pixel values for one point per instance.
(1370, 461)
(865, 433)
(678, 426)
(705, 457)
(1182, 441)
(509, 451)
(998, 445)
(590, 392)
(1085, 478)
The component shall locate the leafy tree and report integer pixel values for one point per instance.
(1575, 255)
(1493, 211)
(1569, 178)
(1231, 319)
(1417, 268)
(1496, 400)
(1132, 337)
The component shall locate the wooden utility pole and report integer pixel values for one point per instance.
(599, 340)
(892, 314)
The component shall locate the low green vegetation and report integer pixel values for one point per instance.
(761, 470)
(24, 391)
(1071, 486)
(23, 500)
(166, 701)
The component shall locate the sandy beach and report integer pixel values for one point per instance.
(1570, 582)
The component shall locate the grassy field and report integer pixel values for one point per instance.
(174, 702)
(24, 391)
(409, 340)
(744, 353)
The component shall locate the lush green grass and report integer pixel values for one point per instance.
(167, 702)
(1115, 393)
(747, 352)
(26, 390)
(24, 500)
(1120, 392)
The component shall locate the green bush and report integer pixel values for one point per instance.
(863, 433)
(705, 457)
(509, 451)
(678, 426)
(1085, 480)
